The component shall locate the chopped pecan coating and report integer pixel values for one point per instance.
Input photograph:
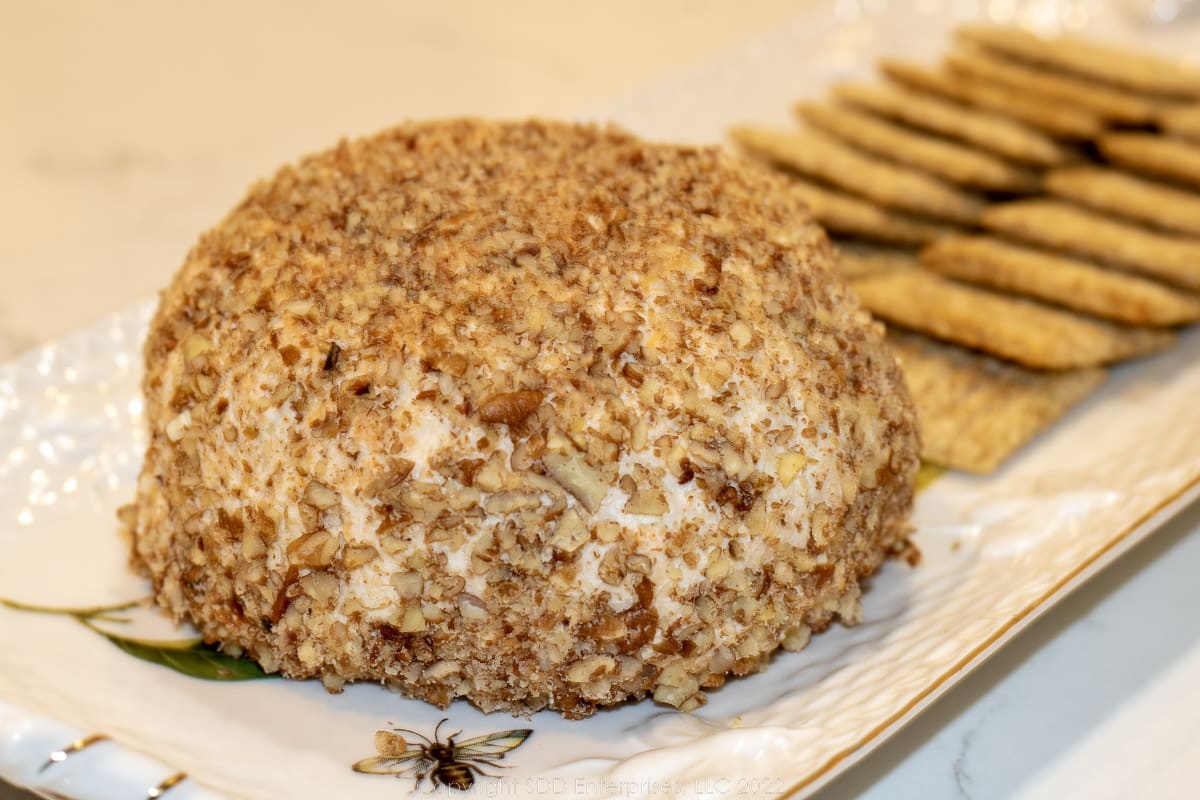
(534, 414)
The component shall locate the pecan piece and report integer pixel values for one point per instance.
(388, 485)
(647, 502)
(331, 357)
(510, 407)
(390, 745)
(578, 477)
(315, 549)
(320, 496)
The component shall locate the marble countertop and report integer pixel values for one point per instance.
(126, 128)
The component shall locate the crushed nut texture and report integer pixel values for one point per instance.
(534, 414)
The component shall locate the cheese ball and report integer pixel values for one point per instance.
(533, 414)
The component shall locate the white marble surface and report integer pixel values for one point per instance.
(1099, 699)
(125, 129)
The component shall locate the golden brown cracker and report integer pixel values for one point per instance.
(1070, 229)
(1181, 121)
(984, 129)
(1099, 102)
(1150, 154)
(1123, 195)
(976, 411)
(1135, 71)
(822, 158)
(845, 214)
(1011, 328)
(1055, 118)
(1078, 285)
(951, 162)
(856, 261)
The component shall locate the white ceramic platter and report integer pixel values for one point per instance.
(998, 551)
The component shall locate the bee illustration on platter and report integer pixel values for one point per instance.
(448, 763)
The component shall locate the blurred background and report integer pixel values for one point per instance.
(127, 128)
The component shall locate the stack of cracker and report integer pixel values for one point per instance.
(1022, 215)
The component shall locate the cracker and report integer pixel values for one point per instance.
(1070, 229)
(852, 216)
(1147, 153)
(1135, 71)
(976, 411)
(984, 129)
(1098, 101)
(1053, 117)
(947, 160)
(1127, 196)
(1011, 328)
(818, 156)
(1077, 285)
(1181, 121)
(856, 261)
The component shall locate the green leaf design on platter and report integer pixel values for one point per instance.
(199, 661)
(99, 612)
(188, 656)
(927, 474)
(186, 643)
